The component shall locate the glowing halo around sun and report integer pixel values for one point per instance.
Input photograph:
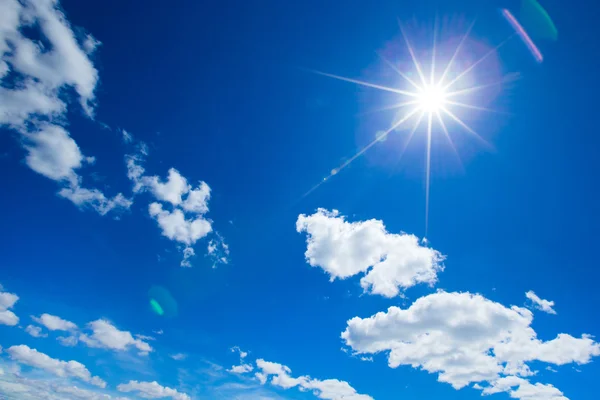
(429, 99)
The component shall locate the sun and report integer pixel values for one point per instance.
(432, 98)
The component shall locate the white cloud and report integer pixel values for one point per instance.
(95, 199)
(42, 72)
(169, 191)
(525, 390)
(65, 63)
(68, 341)
(127, 137)
(53, 153)
(16, 384)
(184, 220)
(177, 227)
(188, 252)
(144, 337)
(179, 356)
(54, 323)
(464, 338)
(197, 199)
(540, 304)
(7, 301)
(107, 336)
(151, 390)
(90, 44)
(241, 369)
(35, 331)
(391, 262)
(25, 355)
(218, 250)
(236, 349)
(328, 389)
(28, 98)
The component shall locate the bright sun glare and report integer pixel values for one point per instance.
(431, 98)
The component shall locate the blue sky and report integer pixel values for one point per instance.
(160, 153)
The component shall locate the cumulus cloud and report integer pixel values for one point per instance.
(464, 338)
(72, 369)
(328, 389)
(35, 331)
(177, 227)
(243, 367)
(7, 301)
(540, 304)
(391, 262)
(33, 107)
(519, 388)
(54, 323)
(107, 336)
(152, 390)
(182, 217)
(53, 153)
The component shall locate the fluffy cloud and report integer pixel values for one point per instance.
(28, 98)
(53, 153)
(25, 355)
(540, 304)
(243, 367)
(177, 227)
(328, 389)
(35, 331)
(54, 323)
(519, 388)
(42, 73)
(151, 390)
(391, 262)
(463, 337)
(183, 221)
(169, 191)
(65, 63)
(107, 336)
(7, 301)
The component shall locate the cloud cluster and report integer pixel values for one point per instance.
(180, 208)
(16, 386)
(152, 390)
(328, 389)
(33, 76)
(391, 262)
(465, 338)
(97, 334)
(73, 369)
(106, 336)
(540, 304)
(7, 301)
(243, 367)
